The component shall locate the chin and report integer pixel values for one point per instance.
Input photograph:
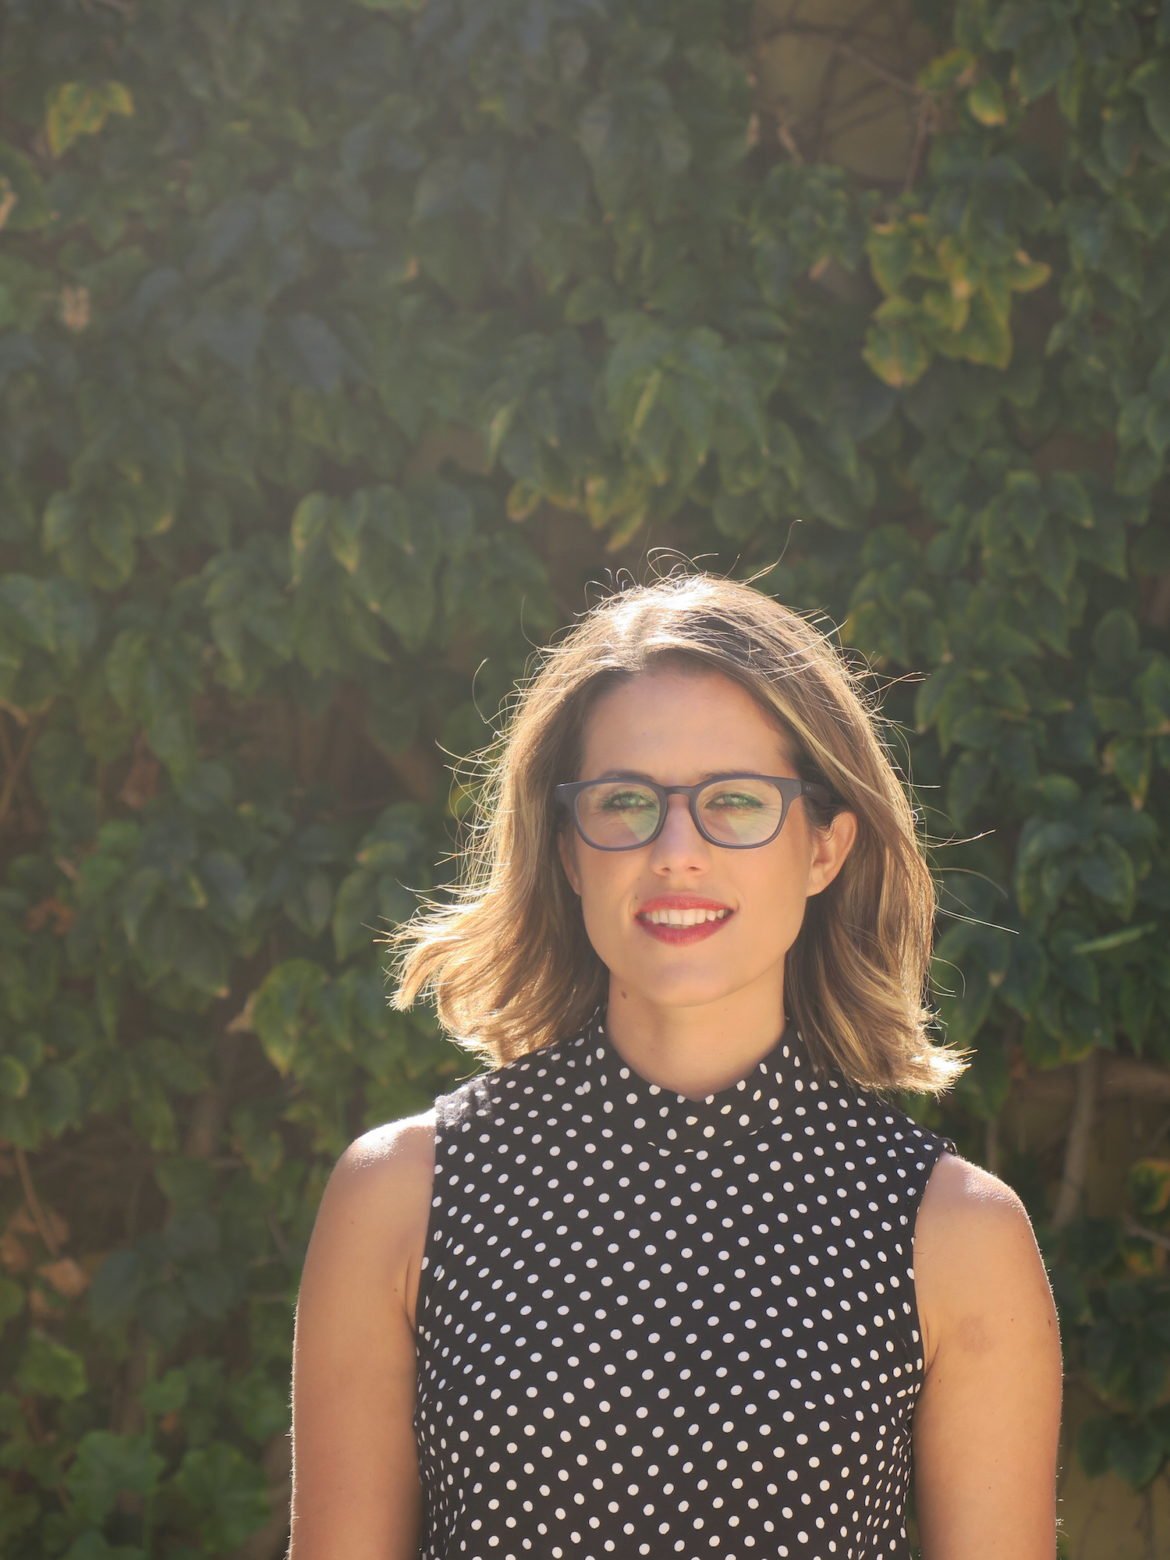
(681, 993)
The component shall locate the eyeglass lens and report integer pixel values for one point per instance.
(742, 811)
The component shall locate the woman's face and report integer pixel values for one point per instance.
(677, 727)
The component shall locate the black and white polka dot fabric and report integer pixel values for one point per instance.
(650, 1325)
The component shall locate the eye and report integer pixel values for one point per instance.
(738, 801)
(627, 801)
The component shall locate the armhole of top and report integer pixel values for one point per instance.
(444, 1122)
(936, 1145)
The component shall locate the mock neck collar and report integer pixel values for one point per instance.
(626, 1105)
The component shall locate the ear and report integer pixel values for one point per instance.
(829, 849)
(569, 860)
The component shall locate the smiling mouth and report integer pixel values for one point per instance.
(682, 917)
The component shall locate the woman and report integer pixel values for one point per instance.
(672, 1278)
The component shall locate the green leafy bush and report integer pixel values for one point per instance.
(339, 347)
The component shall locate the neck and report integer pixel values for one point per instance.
(697, 1049)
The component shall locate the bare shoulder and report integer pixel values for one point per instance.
(958, 1187)
(388, 1169)
(355, 1470)
(987, 1418)
(380, 1192)
(974, 1252)
(963, 1202)
(392, 1152)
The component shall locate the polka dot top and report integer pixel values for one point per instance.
(652, 1325)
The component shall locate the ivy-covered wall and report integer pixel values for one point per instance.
(340, 346)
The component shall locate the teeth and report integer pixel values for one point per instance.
(684, 917)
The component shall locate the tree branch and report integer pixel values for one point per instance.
(15, 769)
(44, 1227)
(837, 44)
(1076, 1155)
(1119, 1078)
(1155, 1238)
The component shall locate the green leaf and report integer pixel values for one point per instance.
(1016, 21)
(1148, 1186)
(945, 70)
(79, 108)
(964, 1001)
(985, 102)
(310, 904)
(141, 892)
(1045, 838)
(108, 1465)
(282, 1008)
(593, 298)
(1152, 81)
(205, 788)
(50, 614)
(167, 1393)
(212, 1289)
(310, 523)
(986, 338)
(14, 1078)
(1108, 873)
(1131, 759)
(1136, 1451)
(1153, 691)
(22, 192)
(192, 1234)
(1070, 498)
(646, 401)
(968, 784)
(260, 1402)
(233, 336)
(396, 575)
(1115, 638)
(499, 428)
(1116, 939)
(201, 959)
(1026, 274)
(1043, 57)
(890, 250)
(129, 656)
(226, 1493)
(323, 362)
(48, 1369)
(355, 913)
(987, 1083)
(895, 351)
(116, 1287)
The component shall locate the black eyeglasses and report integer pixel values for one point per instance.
(738, 812)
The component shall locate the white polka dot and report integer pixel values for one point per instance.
(661, 1326)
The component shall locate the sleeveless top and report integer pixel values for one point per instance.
(652, 1325)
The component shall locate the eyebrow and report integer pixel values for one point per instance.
(710, 774)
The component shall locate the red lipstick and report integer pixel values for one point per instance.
(701, 918)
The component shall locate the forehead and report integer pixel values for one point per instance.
(675, 719)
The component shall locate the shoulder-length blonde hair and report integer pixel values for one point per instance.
(508, 961)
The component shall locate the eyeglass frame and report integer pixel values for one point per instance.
(791, 788)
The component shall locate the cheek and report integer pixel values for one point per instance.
(604, 923)
(604, 890)
(779, 886)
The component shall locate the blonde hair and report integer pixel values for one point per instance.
(508, 961)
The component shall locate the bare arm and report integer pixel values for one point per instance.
(355, 1472)
(987, 1422)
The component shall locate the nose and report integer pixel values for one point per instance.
(680, 846)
